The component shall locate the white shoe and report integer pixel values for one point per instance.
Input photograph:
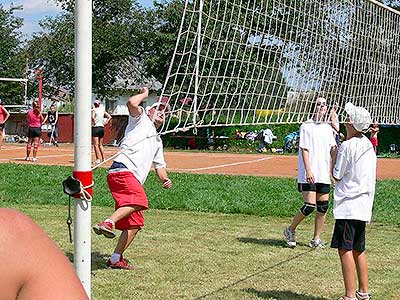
(96, 162)
(316, 243)
(27, 158)
(290, 237)
(34, 159)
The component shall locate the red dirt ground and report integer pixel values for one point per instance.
(195, 162)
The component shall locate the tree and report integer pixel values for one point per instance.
(11, 60)
(117, 35)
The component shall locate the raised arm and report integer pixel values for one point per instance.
(135, 101)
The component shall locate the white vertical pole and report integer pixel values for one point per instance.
(197, 78)
(82, 137)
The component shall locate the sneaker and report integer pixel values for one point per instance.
(34, 159)
(363, 296)
(121, 264)
(96, 162)
(27, 158)
(316, 243)
(290, 237)
(105, 228)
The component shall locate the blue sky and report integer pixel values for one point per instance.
(35, 10)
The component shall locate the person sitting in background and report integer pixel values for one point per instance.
(33, 266)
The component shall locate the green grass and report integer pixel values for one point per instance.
(261, 196)
(212, 237)
(192, 255)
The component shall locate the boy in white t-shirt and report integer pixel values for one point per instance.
(355, 175)
(140, 149)
(314, 169)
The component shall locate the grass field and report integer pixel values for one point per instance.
(212, 237)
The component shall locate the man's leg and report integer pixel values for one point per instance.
(101, 149)
(124, 212)
(360, 259)
(320, 216)
(307, 208)
(309, 197)
(1, 137)
(96, 147)
(126, 239)
(348, 271)
(28, 148)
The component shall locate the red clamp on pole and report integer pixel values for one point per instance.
(86, 178)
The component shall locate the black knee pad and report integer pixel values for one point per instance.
(322, 206)
(307, 209)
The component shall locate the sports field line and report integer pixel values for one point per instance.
(224, 165)
(39, 157)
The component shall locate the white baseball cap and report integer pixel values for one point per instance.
(360, 118)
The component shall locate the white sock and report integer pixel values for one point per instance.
(115, 257)
(111, 221)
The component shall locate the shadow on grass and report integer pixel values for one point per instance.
(268, 268)
(281, 295)
(267, 242)
(99, 260)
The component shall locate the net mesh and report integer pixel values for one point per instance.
(241, 62)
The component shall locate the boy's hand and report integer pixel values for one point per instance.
(167, 183)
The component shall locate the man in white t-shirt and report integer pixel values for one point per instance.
(314, 169)
(100, 118)
(355, 175)
(140, 149)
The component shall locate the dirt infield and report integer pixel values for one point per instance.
(195, 162)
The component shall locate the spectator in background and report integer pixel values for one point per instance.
(4, 115)
(374, 130)
(35, 120)
(52, 118)
(100, 118)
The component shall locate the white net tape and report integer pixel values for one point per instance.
(241, 62)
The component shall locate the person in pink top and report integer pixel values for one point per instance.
(142, 148)
(35, 120)
(4, 115)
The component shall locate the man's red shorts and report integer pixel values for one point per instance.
(127, 191)
(374, 141)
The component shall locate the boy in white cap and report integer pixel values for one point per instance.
(355, 175)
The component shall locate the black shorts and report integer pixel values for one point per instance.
(98, 131)
(349, 235)
(34, 132)
(321, 188)
(2, 126)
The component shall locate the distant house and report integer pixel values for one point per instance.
(130, 78)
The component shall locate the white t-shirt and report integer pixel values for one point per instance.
(141, 147)
(99, 116)
(317, 138)
(356, 168)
